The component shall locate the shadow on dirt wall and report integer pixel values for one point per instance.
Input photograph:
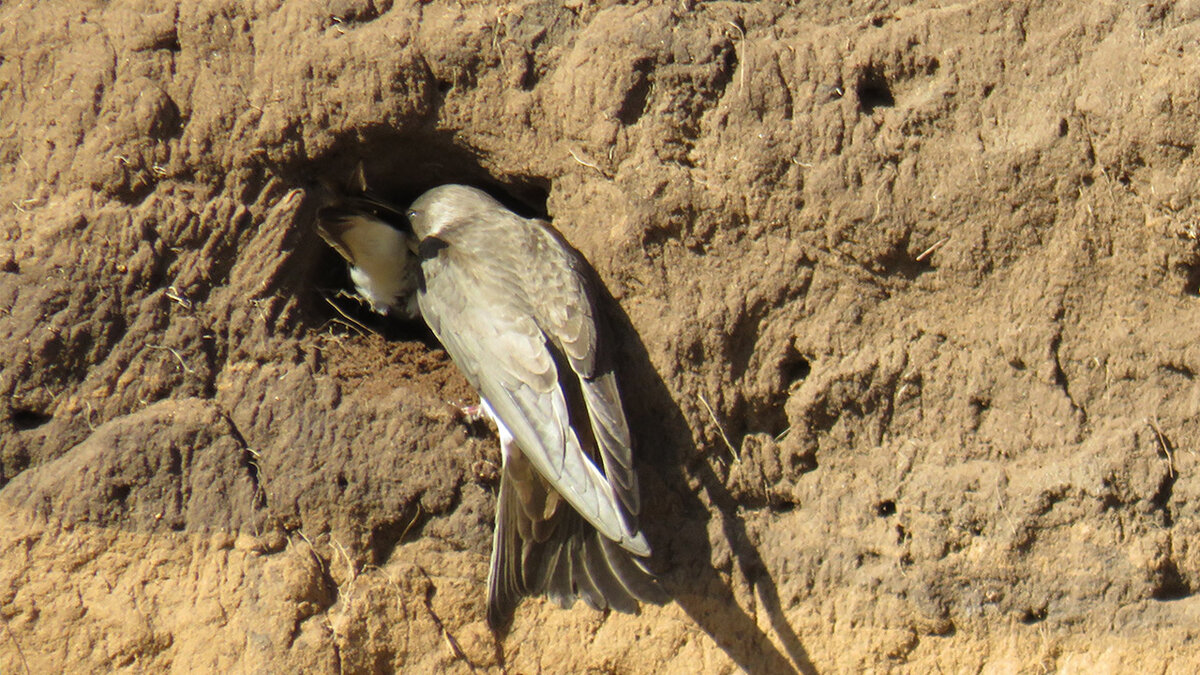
(676, 520)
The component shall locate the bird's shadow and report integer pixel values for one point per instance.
(676, 520)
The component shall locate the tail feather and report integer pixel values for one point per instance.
(506, 583)
(604, 577)
(574, 563)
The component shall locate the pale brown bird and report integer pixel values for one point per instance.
(511, 303)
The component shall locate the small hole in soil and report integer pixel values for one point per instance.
(24, 419)
(341, 481)
(802, 463)
(795, 368)
(635, 99)
(874, 92)
(1191, 278)
(1032, 616)
(387, 536)
(168, 42)
(1171, 584)
(119, 493)
(885, 508)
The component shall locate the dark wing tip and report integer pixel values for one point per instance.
(634, 574)
(500, 614)
(605, 577)
(367, 204)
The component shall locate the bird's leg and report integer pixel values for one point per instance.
(472, 413)
(506, 437)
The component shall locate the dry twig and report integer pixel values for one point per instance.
(1164, 444)
(929, 251)
(437, 621)
(13, 637)
(183, 364)
(348, 320)
(720, 429)
(590, 165)
(743, 58)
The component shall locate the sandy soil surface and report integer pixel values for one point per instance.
(907, 298)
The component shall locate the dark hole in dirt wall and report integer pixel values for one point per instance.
(873, 91)
(398, 169)
(1170, 584)
(1190, 271)
(26, 420)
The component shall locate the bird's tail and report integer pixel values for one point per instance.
(566, 561)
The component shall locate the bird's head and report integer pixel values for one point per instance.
(446, 206)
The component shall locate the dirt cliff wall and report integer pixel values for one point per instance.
(907, 295)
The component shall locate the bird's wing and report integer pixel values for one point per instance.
(474, 300)
(563, 305)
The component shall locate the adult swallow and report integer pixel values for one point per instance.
(512, 304)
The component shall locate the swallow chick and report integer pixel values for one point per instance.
(384, 267)
(512, 304)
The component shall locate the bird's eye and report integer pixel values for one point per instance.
(411, 214)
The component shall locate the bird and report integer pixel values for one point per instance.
(382, 257)
(514, 306)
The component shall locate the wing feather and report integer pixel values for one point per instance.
(564, 308)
